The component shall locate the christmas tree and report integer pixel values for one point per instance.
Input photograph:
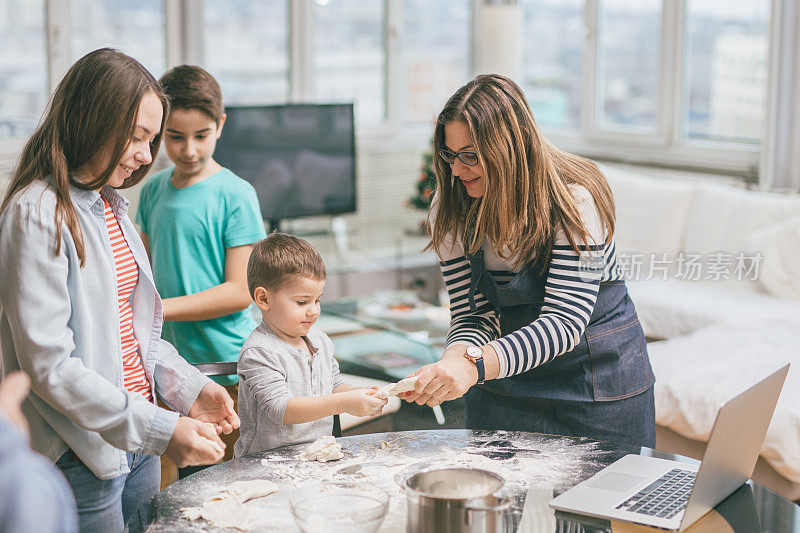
(426, 184)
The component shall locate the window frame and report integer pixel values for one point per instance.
(664, 147)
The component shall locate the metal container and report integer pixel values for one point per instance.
(454, 500)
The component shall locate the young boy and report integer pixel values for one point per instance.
(199, 221)
(289, 385)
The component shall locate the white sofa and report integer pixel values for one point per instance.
(717, 329)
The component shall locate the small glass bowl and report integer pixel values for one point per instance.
(338, 507)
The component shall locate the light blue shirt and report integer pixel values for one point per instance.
(189, 231)
(34, 496)
(59, 323)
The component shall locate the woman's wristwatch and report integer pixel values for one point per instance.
(475, 354)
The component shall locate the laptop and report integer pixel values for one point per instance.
(673, 495)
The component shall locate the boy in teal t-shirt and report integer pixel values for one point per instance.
(199, 221)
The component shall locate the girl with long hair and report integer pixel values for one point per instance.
(541, 320)
(79, 312)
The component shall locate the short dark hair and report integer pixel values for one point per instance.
(277, 259)
(190, 87)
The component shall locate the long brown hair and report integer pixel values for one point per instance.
(527, 179)
(92, 112)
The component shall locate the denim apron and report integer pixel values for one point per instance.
(602, 389)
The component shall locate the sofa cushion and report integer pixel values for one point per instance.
(673, 307)
(651, 212)
(723, 218)
(697, 372)
(780, 267)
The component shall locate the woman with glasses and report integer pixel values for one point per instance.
(543, 335)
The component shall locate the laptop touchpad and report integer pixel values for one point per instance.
(616, 482)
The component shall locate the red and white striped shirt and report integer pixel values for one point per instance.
(133, 374)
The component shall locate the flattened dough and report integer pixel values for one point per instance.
(393, 389)
(227, 509)
(251, 489)
(220, 511)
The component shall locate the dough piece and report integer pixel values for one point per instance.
(220, 511)
(323, 449)
(251, 489)
(393, 389)
(213, 444)
(227, 509)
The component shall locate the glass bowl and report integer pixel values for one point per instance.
(338, 507)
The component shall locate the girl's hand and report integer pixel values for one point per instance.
(445, 380)
(215, 405)
(362, 402)
(194, 443)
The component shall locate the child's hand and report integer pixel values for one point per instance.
(362, 402)
(194, 443)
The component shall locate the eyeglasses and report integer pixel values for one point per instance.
(467, 157)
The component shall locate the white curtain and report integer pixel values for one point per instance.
(780, 152)
(498, 37)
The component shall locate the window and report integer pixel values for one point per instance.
(349, 55)
(672, 81)
(247, 49)
(552, 67)
(23, 64)
(436, 44)
(135, 28)
(627, 83)
(725, 71)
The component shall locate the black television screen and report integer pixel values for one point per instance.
(299, 157)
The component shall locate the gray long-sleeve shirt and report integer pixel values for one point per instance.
(270, 373)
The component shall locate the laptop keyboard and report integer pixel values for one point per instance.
(663, 498)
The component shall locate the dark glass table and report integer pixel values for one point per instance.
(535, 467)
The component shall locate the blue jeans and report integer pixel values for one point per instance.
(110, 505)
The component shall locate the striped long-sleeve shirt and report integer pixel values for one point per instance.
(570, 293)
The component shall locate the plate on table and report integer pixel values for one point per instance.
(402, 312)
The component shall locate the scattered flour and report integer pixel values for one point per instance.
(535, 466)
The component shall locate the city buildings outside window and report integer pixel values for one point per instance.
(135, 28)
(430, 78)
(725, 70)
(349, 54)
(552, 69)
(23, 66)
(247, 49)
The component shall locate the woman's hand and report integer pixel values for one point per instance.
(214, 405)
(194, 443)
(445, 380)
(361, 402)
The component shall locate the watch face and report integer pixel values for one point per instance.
(474, 351)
